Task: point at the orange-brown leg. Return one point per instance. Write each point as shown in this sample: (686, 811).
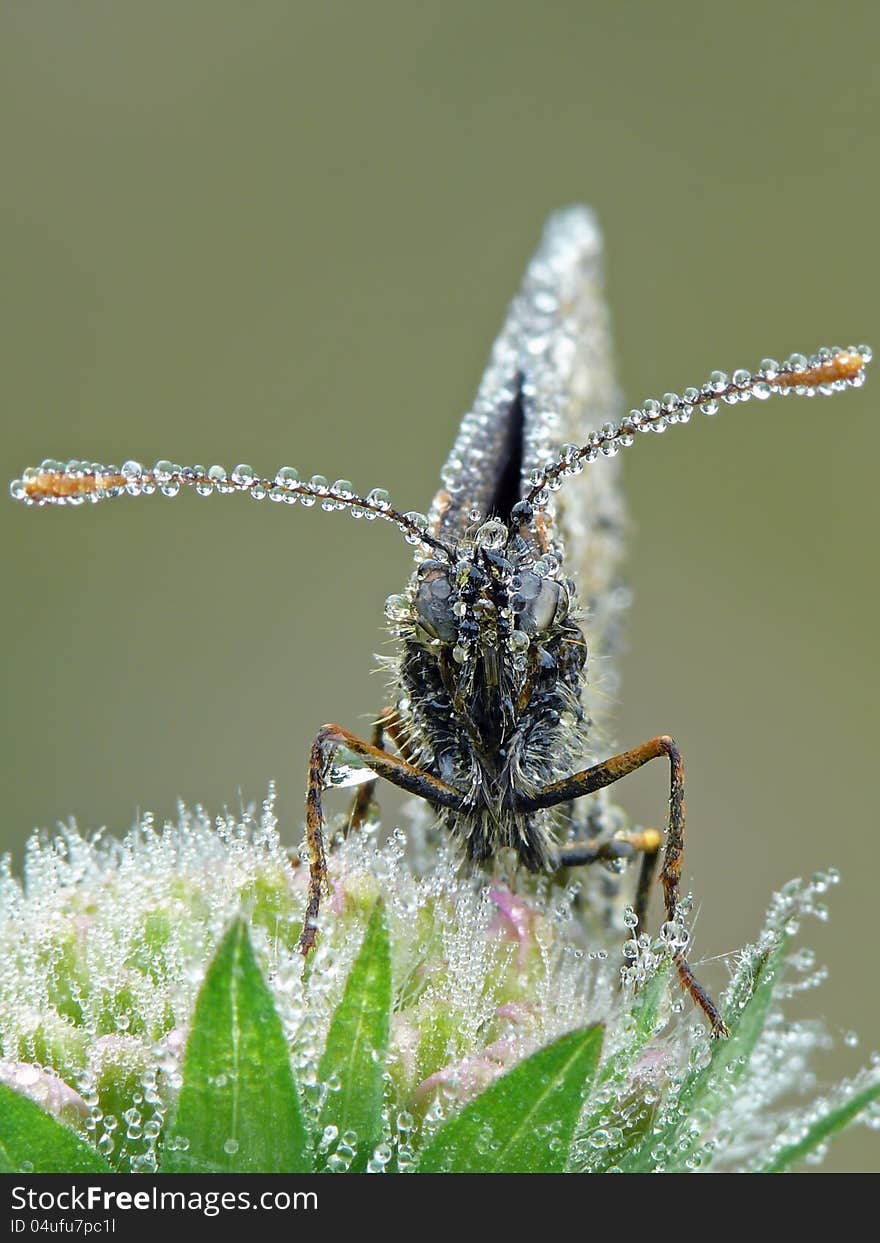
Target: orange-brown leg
(606, 774)
(653, 840)
(621, 846)
(393, 769)
(388, 723)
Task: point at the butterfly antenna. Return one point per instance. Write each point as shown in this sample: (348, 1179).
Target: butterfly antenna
(827, 371)
(75, 483)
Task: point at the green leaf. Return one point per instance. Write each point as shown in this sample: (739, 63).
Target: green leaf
(705, 1090)
(32, 1141)
(745, 1015)
(834, 1119)
(524, 1121)
(643, 1019)
(238, 1110)
(357, 1044)
(642, 1024)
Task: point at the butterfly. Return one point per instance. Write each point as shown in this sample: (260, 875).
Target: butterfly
(507, 627)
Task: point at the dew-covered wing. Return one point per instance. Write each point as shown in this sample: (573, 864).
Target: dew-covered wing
(550, 381)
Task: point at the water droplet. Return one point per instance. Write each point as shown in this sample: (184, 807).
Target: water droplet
(219, 479)
(243, 476)
(132, 473)
(492, 534)
(718, 381)
(397, 608)
(286, 477)
(378, 498)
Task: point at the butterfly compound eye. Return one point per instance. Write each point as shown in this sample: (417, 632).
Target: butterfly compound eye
(536, 601)
(434, 601)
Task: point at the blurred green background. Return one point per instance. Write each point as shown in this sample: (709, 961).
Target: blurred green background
(286, 233)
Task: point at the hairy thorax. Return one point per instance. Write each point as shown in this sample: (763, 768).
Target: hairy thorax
(509, 737)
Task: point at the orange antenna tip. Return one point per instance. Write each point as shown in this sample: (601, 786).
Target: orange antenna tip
(827, 367)
(71, 483)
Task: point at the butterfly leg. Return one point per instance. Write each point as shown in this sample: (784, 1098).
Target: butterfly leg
(650, 848)
(387, 723)
(605, 774)
(624, 845)
(393, 769)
